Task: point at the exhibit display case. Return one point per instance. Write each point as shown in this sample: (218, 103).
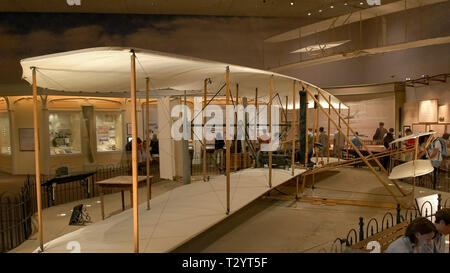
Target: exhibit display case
(5, 141)
(109, 132)
(65, 133)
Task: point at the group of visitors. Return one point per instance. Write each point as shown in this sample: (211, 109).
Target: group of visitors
(141, 152)
(424, 236)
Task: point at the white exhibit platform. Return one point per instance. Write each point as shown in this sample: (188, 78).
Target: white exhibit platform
(175, 217)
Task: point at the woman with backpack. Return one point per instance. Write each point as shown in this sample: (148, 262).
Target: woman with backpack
(435, 154)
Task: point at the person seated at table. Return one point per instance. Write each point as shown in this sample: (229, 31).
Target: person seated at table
(356, 142)
(418, 238)
(379, 134)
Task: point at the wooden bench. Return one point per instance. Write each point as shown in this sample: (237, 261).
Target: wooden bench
(384, 238)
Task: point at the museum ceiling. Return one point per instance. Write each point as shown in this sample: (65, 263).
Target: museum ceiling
(319, 9)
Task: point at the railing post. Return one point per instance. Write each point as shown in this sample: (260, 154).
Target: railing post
(361, 229)
(398, 214)
(439, 201)
(24, 211)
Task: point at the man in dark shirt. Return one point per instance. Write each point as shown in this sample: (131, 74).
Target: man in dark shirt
(386, 140)
(379, 133)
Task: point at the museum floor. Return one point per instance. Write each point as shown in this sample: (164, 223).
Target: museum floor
(270, 224)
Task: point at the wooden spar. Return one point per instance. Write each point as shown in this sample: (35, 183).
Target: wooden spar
(352, 162)
(317, 132)
(294, 128)
(227, 137)
(338, 142)
(329, 129)
(286, 120)
(362, 143)
(134, 162)
(353, 132)
(348, 128)
(416, 148)
(36, 160)
(256, 119)
(286, 112)
(304, 183)
(270, 130)
(235, 131)
(205, 86)
(306, 132)
(358, 160)
(357, 151)
(147, 137)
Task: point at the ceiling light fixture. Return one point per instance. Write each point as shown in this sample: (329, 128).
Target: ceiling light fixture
(292, 3)
(361, 3)
(345, 4)
(320, 10)
(331, 7)
(309, 13)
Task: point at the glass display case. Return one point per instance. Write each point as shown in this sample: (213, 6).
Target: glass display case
(109, 132)
(65, 133)
(5, 141)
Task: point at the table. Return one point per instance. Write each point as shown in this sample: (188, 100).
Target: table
(50, 184)
(122, 183)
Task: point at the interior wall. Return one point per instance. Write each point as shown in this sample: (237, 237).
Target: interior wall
(436, 90)
(22, 162)
(366, 111)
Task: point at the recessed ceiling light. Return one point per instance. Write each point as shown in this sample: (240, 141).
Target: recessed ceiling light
(345, 4)
(309, 13)
(320, 10)
(361, 3)
(292, 3)
(331, 7)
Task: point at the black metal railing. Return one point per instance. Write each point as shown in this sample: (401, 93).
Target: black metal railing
(373, 226)
(17, 209)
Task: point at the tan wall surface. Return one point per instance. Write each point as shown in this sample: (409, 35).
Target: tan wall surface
(5, 164)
